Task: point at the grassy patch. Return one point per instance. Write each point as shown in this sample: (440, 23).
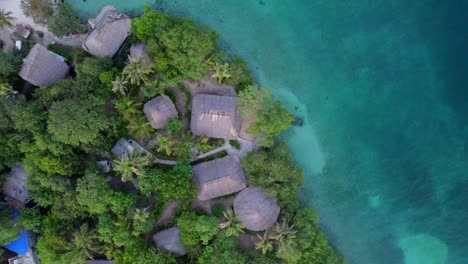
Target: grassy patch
(235, 144)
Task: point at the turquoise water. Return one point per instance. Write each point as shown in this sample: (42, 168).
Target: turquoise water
(382, 86)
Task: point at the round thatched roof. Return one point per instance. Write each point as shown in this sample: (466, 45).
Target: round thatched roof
(256, 211)
(169, 240)
(159, 111)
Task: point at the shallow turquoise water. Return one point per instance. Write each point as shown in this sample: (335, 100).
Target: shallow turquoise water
(382, 88)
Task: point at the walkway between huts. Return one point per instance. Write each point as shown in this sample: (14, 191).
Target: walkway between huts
(168, 214)
(246, 147)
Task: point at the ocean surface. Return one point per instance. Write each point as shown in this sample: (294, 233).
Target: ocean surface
(383, 88)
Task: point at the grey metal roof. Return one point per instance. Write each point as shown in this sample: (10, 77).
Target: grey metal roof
(215, 116)
(159, 111)
(109, 30)
(169, 240)
(219, 177)
(15, 185)
(43, 67)
(256, 211)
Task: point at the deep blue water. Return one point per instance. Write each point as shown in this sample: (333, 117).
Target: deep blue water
(382, 86)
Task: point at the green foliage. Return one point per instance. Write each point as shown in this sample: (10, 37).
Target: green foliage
(64, 20)
(136, 73)
(89, 68)
(252, 100)
(235, 144)
(31, 219)
(6, 18)
(223, 250)
(9, 232)
(178, 45)
(119, 85)
(10, 64)
(196, 230)
(240, 76)
(232, 225)
(6, 89)
(271, 117)
(139, 252)
(220, 72)
(39, 10)
(139, 128)
(277, 173)
(217, 210)
(128, 108)
(131, 165)
(174, 126)
(83, 245)
(77, 122)
(94, 193)
(173, 184)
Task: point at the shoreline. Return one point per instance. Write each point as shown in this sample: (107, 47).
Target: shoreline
(14, 6)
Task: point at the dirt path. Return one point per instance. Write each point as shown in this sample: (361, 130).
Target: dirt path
(168, 213)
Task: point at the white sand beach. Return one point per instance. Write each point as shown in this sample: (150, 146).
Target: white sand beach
(20, 17)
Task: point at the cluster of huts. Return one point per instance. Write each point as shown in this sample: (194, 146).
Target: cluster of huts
(213, 116)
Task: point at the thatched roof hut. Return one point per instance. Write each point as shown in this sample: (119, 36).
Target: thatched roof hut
(15, 186)
(219, 177)
(140, 53)
(159, 111)
(108, 32)
(169, 240)
(43, 67)
(22, 31)
(256, 211)
(215, 116)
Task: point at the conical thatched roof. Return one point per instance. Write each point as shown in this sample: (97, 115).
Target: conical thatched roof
(159, 111)
(15, 186)
(169, 240)
(126, 147)
(219, 177)
(215, 116)
(108, 31)
(140, 53)
(43, 67)
(256, 211)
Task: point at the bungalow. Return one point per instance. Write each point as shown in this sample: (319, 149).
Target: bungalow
(169, 240)
(159, 111)
(14, 187)
(43, 67)
(125, 147)
(219, 177)
(215, 116)
(256, 211)
(108, 32)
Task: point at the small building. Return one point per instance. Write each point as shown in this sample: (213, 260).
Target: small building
(219, 177)
(14, 187)
(22, 31)
(140, 53)
(42, 67)
(104, 166)
(127, 147)
(256, 211)
(169, 240)
(108, 31)
(159, 111)
(215, 116)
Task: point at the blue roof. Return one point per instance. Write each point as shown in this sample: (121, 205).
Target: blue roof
(21, 245)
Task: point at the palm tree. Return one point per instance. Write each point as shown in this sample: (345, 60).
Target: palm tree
(221, 72)
(283, 234)
(141, 215)
(265, 243)
(127, 107)
(232, 224)
(83, 245)
(119, 85)
(6, 89)
(6, 18)
(140, 128)
(165, 144)
(131, 164)
(135, 72)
